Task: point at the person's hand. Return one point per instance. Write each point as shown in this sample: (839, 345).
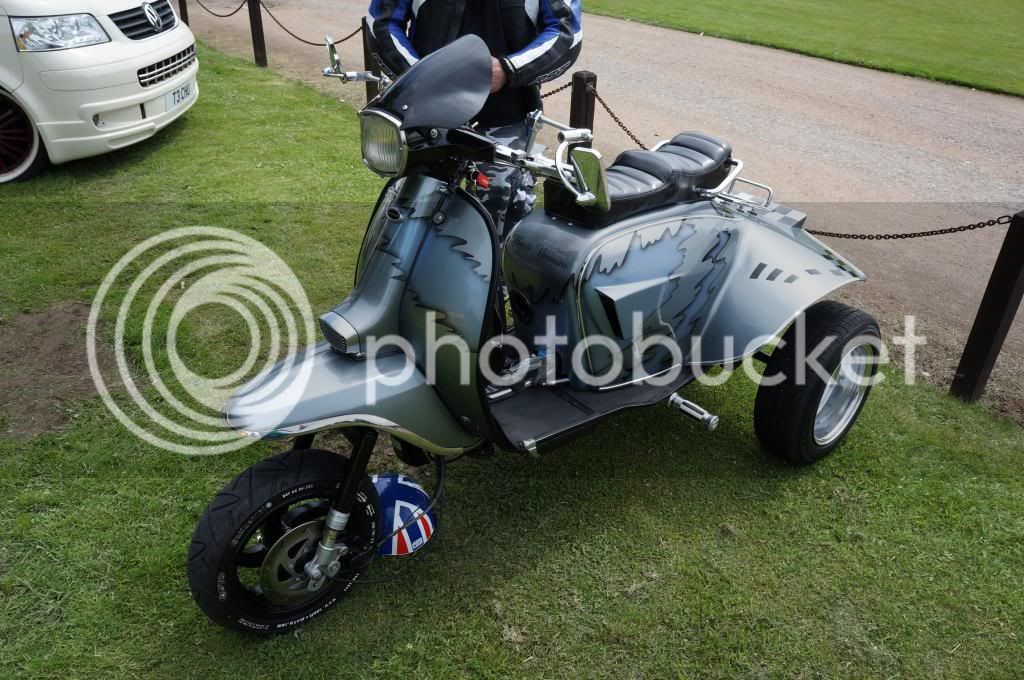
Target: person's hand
(498, 77)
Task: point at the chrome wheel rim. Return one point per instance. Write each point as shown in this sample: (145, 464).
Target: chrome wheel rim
(19, 141)
(843, 395)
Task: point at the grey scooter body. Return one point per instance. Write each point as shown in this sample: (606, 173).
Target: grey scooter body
(722, 283)
(428, 266)
(631, 279)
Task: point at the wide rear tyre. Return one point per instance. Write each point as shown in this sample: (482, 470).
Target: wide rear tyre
(22, 153)
(245, 564)
(808, 413)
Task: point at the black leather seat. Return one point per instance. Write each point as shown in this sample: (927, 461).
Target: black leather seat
(644, 180)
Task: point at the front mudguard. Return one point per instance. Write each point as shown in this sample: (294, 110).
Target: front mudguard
(317, 389)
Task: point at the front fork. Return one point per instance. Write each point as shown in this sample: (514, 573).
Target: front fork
(327, 561)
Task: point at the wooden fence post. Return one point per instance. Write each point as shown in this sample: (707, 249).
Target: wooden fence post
(995, 316)
(259, 43)
(183, 11)
(369, 63)
(581, 110)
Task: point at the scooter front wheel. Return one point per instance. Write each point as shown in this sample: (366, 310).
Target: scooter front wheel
(249, 549)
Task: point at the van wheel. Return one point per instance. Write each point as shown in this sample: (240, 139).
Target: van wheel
(22, 154)
(809, 412)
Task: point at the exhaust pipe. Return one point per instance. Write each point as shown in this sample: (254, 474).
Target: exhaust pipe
(709, 420)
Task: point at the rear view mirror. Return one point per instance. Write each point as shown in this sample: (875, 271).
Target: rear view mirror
(332, 55)
(590, 179)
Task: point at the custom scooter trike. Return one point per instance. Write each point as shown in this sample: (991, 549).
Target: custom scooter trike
(632, 280)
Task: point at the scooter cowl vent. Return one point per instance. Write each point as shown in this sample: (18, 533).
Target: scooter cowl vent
(342, 337)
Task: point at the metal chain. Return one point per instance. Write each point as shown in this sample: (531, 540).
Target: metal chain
(303, 40)
(618, 121)
(222, 16)
(1005, 219)
(557, 90)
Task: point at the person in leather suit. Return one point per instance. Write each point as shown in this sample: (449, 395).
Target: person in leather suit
(531, 42)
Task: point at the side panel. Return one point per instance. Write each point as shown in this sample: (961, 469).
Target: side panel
(720, 283)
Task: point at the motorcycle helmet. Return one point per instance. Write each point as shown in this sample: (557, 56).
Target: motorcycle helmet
(402, 499)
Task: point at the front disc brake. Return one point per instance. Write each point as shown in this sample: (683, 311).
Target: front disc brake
(282, 578)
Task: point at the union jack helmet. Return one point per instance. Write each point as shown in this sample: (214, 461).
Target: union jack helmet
(402, 499)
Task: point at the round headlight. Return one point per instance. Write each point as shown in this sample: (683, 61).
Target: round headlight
(384, 145)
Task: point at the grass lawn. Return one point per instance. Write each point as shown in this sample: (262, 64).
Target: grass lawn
(977, 44)
(647, 548)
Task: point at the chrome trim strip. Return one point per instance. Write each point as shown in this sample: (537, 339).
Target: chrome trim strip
(160, 71)
(634, 381)
(358, 420)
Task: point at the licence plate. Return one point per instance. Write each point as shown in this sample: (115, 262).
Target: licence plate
(179, 96)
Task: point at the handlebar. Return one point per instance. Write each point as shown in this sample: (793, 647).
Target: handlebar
(561, 168)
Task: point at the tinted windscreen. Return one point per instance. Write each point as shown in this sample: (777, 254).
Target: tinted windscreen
(444, 89)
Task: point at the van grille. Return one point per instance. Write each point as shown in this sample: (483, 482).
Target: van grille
(136, 25)
(167, 68)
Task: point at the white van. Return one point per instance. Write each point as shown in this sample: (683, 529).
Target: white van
(80, 78)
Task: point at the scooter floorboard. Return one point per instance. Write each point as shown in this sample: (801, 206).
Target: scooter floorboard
(543, 417)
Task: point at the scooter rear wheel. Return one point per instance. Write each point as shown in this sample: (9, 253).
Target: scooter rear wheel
(245, 564)
(803, 420)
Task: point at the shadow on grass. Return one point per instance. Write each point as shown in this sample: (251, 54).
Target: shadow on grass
(510, 516)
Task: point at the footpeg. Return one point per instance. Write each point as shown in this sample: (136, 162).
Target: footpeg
(708, 420)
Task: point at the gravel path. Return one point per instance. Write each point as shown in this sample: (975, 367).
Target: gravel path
(858, 150)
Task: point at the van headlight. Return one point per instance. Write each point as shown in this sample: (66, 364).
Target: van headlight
(384, 144)
(41, 34)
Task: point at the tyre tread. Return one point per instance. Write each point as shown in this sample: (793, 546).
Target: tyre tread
(780, 410)
(229, 508)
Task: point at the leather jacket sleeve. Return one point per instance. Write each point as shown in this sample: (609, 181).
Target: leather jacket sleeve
(389, 21)
(555, 49)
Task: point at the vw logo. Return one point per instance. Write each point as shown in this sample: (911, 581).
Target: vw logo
(152, 16)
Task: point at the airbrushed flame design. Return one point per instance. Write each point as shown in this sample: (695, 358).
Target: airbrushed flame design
(468, 244)
(420, 313)
(612, 255)
(687, 321)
